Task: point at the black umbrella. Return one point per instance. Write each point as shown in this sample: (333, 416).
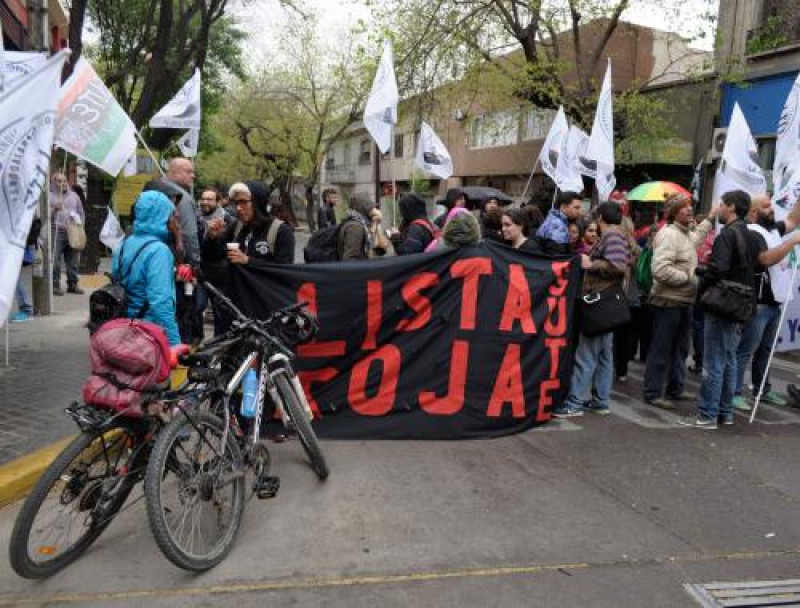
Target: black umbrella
(478, 195)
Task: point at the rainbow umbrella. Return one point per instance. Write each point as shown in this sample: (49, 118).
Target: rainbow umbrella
(656, 192)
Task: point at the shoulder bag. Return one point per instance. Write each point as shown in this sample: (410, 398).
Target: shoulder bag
(731, 300)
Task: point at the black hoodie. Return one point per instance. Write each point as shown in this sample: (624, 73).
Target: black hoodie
(417, 230)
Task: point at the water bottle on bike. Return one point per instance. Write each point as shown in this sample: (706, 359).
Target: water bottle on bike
(249, 391)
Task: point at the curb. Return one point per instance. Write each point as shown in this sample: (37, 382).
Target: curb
(19, 476)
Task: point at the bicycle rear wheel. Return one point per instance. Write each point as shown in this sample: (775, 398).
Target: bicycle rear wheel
(195, 490)
(304, 429)
(74, 501)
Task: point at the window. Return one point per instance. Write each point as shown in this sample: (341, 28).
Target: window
(494, 130)
(398, 145)
(330, 160)
(766, 152)
(145, 164)
(537, 123)
(365, 152)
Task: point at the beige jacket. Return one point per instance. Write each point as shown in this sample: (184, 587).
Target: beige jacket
(675, 262)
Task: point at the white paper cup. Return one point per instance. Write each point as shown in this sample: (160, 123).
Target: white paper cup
(232, 246)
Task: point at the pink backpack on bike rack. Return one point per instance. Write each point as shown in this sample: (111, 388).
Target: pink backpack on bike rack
(128, 356)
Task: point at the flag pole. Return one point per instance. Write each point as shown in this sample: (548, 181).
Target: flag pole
(784, 308)
(530, 179)
(150, 152)
(392, 173)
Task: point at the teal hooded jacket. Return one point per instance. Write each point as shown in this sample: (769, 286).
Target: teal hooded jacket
(151, 277)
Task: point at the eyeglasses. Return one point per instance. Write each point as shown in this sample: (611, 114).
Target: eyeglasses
(242, 201)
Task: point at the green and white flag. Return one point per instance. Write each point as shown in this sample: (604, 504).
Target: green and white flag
(91, 124)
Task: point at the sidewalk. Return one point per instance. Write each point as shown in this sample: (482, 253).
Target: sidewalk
(48, 365)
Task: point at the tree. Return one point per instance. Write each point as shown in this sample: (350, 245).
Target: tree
(147, 49)
(282, 122)
(537, 52)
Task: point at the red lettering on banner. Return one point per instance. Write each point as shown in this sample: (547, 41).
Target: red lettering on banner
(416, 301)
(383, 401)
(508, 387)
(518, 302)
(309, 378)
(336, 348)
(560, 327)
(471, 270)
(554, 345)
(453, 401)
(560, 270)
(374, 312)
(545, 399)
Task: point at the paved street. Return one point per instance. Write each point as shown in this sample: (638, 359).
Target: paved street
(605, 511)
(622, 510)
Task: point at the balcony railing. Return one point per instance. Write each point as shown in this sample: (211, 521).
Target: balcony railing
(340, 174)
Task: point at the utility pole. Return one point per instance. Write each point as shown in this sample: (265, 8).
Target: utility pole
(39, 28)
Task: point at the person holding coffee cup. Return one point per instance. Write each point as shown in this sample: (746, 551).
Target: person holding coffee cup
(255, 238)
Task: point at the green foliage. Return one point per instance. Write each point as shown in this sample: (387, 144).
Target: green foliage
(770, 36)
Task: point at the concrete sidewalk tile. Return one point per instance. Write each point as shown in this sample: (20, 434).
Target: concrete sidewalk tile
(19, 476)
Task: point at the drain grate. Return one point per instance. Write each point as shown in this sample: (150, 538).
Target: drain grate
(750, 594)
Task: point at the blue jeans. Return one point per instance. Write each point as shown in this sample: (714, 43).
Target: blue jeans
(757, 337)
(668, 351)
(719, 367)
(22, 298)
(593, 373)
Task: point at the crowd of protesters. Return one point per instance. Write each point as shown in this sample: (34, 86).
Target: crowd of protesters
(663, 269)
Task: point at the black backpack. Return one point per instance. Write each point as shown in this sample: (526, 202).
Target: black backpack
(111, 300)
(323, 246)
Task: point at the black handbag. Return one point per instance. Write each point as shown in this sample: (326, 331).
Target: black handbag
(600, 312)
(731, 300)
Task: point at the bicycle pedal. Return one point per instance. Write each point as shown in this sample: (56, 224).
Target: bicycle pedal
(267, 487)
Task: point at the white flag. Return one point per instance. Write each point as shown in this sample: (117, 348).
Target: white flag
(553, 145)
(91, 124)
(601, 142)
(183, 110)
(786, 170)
(188, 142)
(739, 168)
(131, 167)
(380, 112)
(432, 155)
(15, 65)
(27, 124)
(787, 145)
(111, 235)
(568, 175)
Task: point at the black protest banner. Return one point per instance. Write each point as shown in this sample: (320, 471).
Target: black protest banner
(464, 343)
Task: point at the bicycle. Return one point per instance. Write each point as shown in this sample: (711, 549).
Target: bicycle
(87, 484)
(195, 480)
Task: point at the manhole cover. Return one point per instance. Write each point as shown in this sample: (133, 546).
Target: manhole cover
(751, 593)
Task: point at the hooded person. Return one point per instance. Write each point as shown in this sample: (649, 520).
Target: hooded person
(256, 238)
(454, 198)
(416, 230)
(146, 265)
(355, 237)
(460, 230)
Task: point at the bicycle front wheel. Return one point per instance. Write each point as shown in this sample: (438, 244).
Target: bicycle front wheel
(195, 489)
(74, 501)
(301, 423)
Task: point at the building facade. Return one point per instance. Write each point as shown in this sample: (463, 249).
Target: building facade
(759, 42)
(34, 25)
(498, 145)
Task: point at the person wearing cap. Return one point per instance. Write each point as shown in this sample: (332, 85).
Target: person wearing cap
(455, 197)
(256, 238)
